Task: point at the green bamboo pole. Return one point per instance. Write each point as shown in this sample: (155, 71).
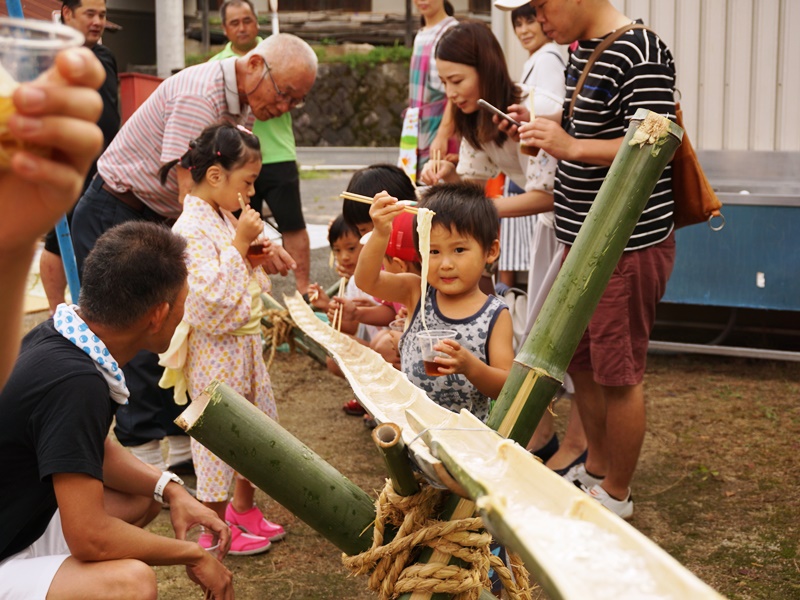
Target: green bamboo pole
(281, 465)
(541, 363)
(539, 368)
(388, 438)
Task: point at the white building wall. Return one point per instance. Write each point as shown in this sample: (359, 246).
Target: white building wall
(738, 66)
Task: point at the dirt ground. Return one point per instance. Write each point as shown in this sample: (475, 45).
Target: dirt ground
(716, 485)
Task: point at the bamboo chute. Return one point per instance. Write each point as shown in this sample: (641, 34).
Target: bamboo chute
(503, 481)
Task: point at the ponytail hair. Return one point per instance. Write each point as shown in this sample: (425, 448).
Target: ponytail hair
(223, 144)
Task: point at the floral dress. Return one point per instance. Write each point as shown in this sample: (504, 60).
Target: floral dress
(223, 308)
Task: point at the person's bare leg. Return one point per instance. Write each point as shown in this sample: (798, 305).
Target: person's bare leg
(592, 407)
(126, 579)
(507, 277)
(297, 244)
(243, 494)
(543, 432)
(574, 442)
(625, 427)
(54, 279)
(218, 507)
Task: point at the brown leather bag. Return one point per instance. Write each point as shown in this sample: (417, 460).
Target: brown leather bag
(694, 199)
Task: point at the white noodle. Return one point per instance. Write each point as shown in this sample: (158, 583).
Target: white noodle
(424, 218)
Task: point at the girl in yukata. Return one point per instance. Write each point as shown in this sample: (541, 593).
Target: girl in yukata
(221, 332)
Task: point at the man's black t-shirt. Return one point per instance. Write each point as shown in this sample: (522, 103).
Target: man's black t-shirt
(55, 413)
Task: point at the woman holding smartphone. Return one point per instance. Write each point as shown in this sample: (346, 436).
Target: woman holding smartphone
(472, 67)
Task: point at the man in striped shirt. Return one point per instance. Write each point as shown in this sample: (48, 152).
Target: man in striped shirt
(264, 83)
(636, 71)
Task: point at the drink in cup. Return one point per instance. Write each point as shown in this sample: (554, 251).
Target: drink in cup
(28, 47)
(427, 341)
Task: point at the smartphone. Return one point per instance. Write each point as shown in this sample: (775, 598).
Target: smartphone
(484, 104)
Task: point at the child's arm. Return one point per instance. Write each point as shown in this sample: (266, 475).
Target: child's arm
(488, 379)
(379, 315)
(370, 278)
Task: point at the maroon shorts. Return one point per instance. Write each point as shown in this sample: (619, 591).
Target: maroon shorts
(614, 346)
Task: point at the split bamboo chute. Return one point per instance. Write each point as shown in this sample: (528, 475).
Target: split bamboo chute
(528, 507)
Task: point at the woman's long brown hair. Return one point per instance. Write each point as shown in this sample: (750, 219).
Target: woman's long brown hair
(473, 44)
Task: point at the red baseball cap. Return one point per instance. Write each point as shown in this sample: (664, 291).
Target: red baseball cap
(401, 242)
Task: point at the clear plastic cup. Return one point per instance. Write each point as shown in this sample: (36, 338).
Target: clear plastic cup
(207, 539)
(28, 47)
(427, 341)
(398, 325)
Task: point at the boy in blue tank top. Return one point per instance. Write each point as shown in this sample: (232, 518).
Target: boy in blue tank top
(463, 239)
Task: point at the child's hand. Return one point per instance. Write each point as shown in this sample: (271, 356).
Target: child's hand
(318, 298)
(346, 272)
(249, 226)
(459, 359)
(383, 211)
(385, 344)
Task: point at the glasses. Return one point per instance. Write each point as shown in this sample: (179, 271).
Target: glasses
(283, 96)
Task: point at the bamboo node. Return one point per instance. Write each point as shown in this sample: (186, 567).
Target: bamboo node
(277, 331)
(391, 567)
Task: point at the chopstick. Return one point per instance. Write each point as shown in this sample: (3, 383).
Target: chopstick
(530, 104)
(368, 200)
(337, 314)
(241, 202)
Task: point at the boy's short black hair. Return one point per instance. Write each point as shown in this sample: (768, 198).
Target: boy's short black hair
(462, 207)
(526, 12)
(340, 228)
(372, 180)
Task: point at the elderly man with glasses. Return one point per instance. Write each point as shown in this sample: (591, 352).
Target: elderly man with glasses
(278, 184)
(265, 83)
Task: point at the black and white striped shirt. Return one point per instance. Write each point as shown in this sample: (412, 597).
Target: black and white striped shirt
(636, 71)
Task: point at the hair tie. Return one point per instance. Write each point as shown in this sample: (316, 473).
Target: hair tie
(190, 168)
(219, 153)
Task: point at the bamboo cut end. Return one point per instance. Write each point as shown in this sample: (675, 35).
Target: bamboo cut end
(189, 418)
(653, 128)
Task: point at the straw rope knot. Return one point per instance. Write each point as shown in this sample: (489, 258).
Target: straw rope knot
(391, 573)
(276, 329)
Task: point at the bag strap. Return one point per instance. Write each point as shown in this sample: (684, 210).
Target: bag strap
(601, 47)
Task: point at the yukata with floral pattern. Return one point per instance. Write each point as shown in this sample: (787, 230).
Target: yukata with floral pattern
(223, 303)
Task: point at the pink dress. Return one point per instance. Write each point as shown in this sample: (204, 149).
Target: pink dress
(219, 305)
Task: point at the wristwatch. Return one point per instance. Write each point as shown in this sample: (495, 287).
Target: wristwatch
(165, 478)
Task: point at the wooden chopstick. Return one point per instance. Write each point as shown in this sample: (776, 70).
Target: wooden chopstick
(241, 202)
(368, 200)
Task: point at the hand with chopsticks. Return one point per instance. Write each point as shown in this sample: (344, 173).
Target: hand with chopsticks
(383, 211)
(438, 170)
(248, 228)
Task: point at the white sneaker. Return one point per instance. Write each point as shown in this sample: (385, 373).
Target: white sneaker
(581, 478)
(622, 508)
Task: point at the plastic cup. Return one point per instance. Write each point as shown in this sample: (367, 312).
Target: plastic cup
(28, 47)
(207, 539)
(427, 340)
(398, 325)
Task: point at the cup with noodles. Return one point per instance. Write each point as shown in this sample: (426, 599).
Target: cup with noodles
(542, 104)
(28, 47)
